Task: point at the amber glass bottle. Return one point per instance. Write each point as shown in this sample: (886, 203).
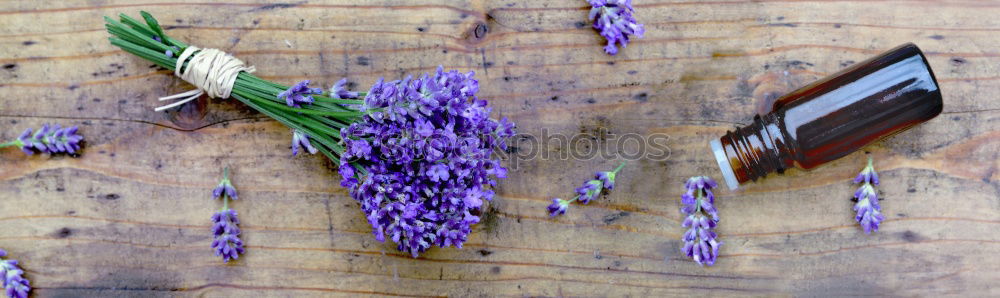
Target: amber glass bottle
(833, 117)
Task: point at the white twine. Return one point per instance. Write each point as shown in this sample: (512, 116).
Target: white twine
(211, 70)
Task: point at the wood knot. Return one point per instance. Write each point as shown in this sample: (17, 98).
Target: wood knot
(478, 33)
(64, 233)
(190, 115)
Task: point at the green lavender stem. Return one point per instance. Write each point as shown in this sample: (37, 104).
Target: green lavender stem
(321, 120)
(601, 186)
(619, 168)
(12, 143)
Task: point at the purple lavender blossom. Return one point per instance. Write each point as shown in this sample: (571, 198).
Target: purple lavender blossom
(607, 178)
(869, 211)
(225, 186)
(227, 243)
(300, 140)
(558, 207)
(14, 283)
(170, 52)
(48, 139)
(868, 174)
(589, 191)
(299, 93)
(423, 156)
(615, 20)
(339, 90)
(699, 241)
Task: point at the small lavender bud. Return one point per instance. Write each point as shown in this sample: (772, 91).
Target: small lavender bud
(869, 211)
(299, 93)
(218, 191)
(225, 187)
(231, 192)
(558, 207)
(589, 191)
(339, 90)
(14, 283)
(300, 140)
(607, 178)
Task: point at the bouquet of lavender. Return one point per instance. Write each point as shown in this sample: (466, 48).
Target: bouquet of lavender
(415, 153)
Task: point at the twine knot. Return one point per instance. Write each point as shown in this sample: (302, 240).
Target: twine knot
(213, 71)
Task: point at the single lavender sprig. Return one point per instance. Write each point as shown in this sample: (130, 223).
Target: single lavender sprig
(339, 91)
(700, 240)
(589, 191)
(225, 223)
(869, 210)
(299, 93)
(301, 140)
(48, 139)
(14, 283)
(615, 20)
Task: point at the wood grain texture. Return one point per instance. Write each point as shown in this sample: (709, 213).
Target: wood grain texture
(131, 216)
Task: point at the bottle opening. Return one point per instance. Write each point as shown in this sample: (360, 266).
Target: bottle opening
(727, 170)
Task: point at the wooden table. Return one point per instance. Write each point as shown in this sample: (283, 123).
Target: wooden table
(130, 217)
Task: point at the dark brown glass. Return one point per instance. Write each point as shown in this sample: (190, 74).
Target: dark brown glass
(833, 117)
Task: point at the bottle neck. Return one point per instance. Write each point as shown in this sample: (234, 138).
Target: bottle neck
(754, 150)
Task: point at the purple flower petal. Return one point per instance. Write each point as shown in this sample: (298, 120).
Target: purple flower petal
(430, 142)
(226, 243)
(50, 139)
(299, 93)
(11, 276)
(868, 207)
(700, 240)
(615, 22)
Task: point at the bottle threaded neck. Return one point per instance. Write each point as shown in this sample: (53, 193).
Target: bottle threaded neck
(749, 152)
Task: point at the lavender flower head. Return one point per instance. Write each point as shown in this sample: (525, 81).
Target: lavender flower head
(558, 207)
(339, 90)
(301, 140)
(225, 187)
(48, 139)
(420, 162)
(589, 191)
(615, 20)
(869, 211)
(13, 280)
(699, 241)
(227, 243)
(299, 93)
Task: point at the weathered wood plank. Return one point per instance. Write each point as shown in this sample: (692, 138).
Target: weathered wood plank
(131, 216)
